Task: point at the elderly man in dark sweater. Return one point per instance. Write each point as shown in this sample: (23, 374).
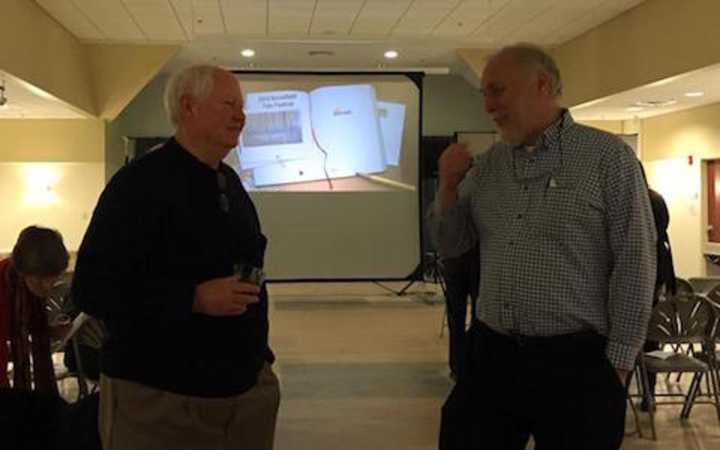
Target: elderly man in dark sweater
(187, 362)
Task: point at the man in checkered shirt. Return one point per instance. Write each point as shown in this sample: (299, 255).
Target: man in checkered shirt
(567, 255)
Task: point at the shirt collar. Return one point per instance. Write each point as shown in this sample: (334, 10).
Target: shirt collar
(550, 139)
(190, 160)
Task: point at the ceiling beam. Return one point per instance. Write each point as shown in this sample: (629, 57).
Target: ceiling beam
(656, 40)
(36, 49)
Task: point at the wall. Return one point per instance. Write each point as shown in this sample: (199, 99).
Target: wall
(72, 140)
(51, 174)
(56, 195)
(451, 104)
(667, 141)
(611, 126)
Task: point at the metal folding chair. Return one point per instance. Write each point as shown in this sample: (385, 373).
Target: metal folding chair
(679, 321)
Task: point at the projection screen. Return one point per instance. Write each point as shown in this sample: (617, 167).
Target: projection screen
(332, 164)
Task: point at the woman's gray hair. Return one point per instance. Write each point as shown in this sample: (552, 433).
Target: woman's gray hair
(196, 81)
(535, 57)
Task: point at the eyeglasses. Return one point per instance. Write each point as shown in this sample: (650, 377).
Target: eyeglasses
(223, 200)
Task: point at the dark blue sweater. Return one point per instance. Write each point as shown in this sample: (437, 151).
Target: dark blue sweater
(159, 229)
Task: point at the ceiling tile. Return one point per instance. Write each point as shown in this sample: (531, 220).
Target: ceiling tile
(72, 19)
(334, 17)
(290, 16)
(248, 17)
(183, 11)
(469, 16)
(207, 18)
(156, 19)
(378, 17)
(511, 17)
(423, 16)
(113, 18)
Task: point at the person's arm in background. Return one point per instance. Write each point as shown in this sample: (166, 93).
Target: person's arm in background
(4, 355)
(4, 332)
(666, 269)
(115, 274)
(42, 364)
(632, 240)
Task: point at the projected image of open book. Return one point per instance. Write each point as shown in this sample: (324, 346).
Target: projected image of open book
(330, 132)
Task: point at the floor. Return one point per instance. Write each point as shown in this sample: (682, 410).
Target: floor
(364, 369)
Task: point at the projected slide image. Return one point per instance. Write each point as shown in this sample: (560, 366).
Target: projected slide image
(333, 136)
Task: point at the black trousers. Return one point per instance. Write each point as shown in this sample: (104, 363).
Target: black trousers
(562, 390)
(462, 277)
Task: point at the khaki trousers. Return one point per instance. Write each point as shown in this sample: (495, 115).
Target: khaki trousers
(137, 417)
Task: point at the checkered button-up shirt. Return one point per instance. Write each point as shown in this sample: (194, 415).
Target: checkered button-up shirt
(566, 235)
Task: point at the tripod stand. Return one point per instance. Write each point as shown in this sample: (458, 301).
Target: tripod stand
(430, 269)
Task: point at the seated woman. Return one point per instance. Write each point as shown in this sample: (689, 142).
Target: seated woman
(38, 260)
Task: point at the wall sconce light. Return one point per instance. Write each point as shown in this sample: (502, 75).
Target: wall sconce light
(40, 184)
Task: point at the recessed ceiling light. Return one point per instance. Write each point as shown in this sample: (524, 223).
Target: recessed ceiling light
(248, 53)
(634, 108)
(694, 94)
(391, 54)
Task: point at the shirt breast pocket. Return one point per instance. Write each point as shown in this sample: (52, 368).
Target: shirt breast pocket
(568, 210)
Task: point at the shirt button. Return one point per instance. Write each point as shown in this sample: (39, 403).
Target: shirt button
(511, 243)
(525, 187)
(519, 216)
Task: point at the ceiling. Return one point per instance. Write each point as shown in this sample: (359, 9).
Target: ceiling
(25, 101)
(661, 97)
(356, 32)
(348, 35)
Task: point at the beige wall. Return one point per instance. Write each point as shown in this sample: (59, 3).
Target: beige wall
(667, 142)
(611, 126)
(51, 174)
(78, 140)
(59, 195)
(114, 88)
(691, 132)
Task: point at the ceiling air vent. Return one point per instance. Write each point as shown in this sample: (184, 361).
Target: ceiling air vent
(321, 53)
(655, 103)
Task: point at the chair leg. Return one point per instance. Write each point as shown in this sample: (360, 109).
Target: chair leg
(715, 376)
(648, 397)
(638, 428)
(692, 394)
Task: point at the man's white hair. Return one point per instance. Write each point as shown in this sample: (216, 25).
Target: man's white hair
(197, 81)
(534, 57)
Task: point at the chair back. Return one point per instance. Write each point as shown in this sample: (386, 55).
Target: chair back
(680, 319)
(713, 299)
(703, 285)
(683, 287)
